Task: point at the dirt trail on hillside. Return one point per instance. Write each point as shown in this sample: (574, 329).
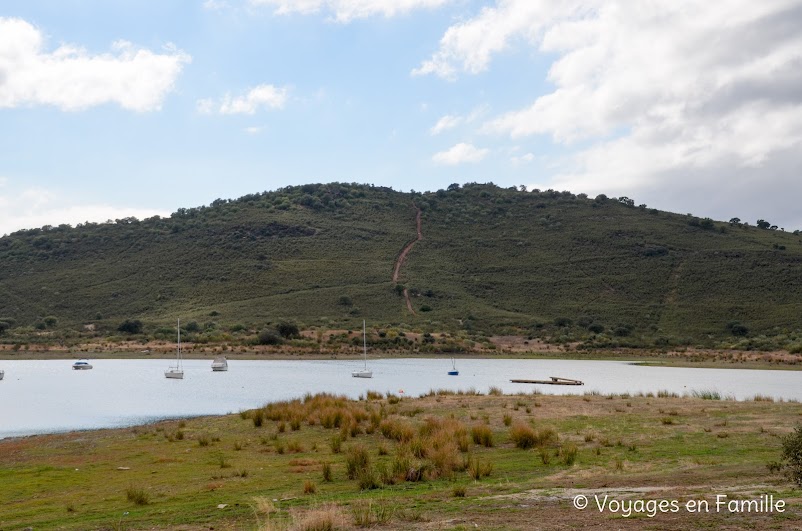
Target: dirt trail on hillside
(403, 255)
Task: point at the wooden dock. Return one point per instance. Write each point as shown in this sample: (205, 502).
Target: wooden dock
(555, 380)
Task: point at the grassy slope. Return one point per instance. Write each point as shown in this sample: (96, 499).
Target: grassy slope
(494, 260)
(543, 259)
(226, 258)
(674, 448)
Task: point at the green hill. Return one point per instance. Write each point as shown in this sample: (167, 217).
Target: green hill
(491, 260)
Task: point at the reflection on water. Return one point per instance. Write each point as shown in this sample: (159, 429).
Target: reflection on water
(48, 396)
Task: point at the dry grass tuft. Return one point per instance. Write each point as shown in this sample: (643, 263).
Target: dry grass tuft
(263, 506)
(482, 435)
(479, 468)
(523, 436)
(325, 518)
(137, 495)
(397, 429)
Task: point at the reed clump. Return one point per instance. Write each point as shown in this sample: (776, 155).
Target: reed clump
(523, 436)
(137, 495)
(482, 435)
(705, 394)
(397, 429)
(328, 410)
(336, 444)
(356, 460)
(369, 513)
(327, 475)
(568, 453)
(479, 468)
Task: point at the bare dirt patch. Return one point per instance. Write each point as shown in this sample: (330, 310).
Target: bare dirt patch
(403, 255)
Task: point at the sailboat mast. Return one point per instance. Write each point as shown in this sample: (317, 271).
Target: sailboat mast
(178, 361)
(364, 344)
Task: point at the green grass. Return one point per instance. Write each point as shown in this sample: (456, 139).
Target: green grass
(75, 481)
(706, 394)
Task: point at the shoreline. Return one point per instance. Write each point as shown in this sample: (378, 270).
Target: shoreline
(647, 360)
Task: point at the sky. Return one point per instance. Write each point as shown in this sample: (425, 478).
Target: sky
(118, 108)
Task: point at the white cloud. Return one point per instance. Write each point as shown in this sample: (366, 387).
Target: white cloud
(348, 10)
(526, 158)
(469, 45)
(448, 121)
(36, 207)
(254, 129)
(460, 154)
(73, 79)
(259, 97)
(653, 91)
(451, 121)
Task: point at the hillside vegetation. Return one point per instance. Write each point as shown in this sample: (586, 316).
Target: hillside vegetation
(597, 272)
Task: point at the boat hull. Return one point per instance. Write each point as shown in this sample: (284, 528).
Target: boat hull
(362, 374)
(174, 375)
(219, 369)
(453, 373)
(2, 374)
(81, 367)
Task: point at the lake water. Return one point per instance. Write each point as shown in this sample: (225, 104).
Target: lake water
(48, 396)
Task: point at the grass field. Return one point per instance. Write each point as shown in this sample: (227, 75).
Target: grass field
(443, 461)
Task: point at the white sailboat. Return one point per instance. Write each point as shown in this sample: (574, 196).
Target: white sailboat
(364, 373)
(177, 371)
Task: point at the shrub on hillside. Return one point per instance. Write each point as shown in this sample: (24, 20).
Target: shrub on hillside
(562, 321)
(131, 326)
(268, 337)
(596, 328)
(737, 329)
(192, 326)
(288, 330)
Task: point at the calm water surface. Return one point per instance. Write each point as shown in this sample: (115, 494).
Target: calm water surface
(39, 396)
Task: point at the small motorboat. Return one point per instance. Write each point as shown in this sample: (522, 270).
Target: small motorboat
(220, 364)
(81, 365)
